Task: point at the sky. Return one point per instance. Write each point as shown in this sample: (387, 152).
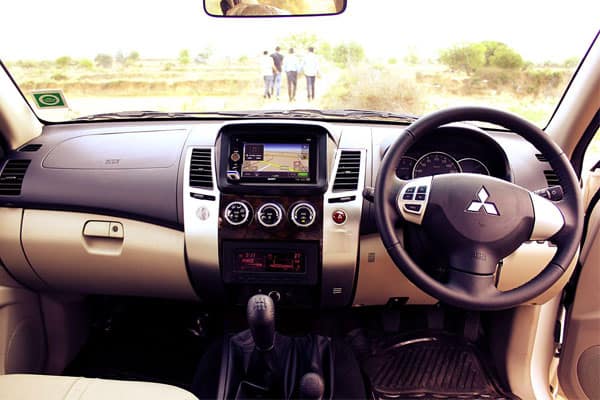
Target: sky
(539, 30)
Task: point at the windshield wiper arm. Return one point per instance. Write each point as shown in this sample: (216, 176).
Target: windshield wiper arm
(154, 114)
(343, 113)
(293, 113)
(352, 112)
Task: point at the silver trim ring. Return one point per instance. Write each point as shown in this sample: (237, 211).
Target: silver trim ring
(293, 213)
(474, 159)
(237, 223)
(279, 214)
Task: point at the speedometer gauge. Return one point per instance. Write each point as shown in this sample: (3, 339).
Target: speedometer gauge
(405, 168)
(435, 163)
(473, 166)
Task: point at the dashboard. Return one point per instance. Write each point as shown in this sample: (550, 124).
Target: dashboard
(216, 211)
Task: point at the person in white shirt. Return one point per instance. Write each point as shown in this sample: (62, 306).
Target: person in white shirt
(291, 65)
(310, 67)
(267, 67)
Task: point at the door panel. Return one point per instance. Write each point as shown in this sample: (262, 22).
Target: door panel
(579, 366)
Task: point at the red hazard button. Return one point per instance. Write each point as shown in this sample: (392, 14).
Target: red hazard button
(339, 216)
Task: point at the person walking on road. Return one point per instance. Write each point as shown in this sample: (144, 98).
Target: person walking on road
(291, 65)
(277, 61)
(266, 68)
(310, 67)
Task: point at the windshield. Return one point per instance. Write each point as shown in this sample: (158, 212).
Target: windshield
(403, 57)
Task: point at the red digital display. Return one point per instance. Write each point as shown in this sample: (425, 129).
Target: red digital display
(270, 261)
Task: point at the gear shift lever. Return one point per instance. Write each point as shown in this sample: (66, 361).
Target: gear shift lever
(312, 387)
(260, 312)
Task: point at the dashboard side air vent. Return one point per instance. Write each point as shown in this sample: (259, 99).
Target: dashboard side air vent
(346, 177)
(551, 177)
(11, 178)
(201, 169)
(31, 147)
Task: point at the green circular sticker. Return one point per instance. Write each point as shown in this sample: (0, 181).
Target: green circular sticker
(49, 99)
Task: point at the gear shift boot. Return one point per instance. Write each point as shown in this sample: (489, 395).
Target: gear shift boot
(260, 363)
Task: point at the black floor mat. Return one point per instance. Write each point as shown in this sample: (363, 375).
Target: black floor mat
(433, 367)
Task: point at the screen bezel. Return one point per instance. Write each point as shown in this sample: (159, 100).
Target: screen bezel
(234, 135)
(312, 164)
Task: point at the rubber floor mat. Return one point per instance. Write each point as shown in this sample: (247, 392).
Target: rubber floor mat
(436, 367)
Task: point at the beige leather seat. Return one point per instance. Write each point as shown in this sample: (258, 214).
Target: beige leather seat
(38, 387)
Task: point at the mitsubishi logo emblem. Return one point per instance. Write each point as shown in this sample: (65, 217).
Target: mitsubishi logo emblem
(488, 208)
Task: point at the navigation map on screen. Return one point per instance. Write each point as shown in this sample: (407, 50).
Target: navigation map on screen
(276, 160)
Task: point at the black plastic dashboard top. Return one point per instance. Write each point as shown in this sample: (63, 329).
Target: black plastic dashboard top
(130, 173)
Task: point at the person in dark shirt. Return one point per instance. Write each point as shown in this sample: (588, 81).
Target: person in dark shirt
(291, 65)
(278, 61)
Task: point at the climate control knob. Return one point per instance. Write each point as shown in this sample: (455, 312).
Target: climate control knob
(269, 215)
(303, 215)
(237, 213)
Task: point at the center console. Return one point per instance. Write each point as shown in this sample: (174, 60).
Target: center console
(272, 179)
(273, 208)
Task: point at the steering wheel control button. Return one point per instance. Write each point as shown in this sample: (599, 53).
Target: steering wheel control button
(413, 208)
(303, 215)
(270, 215)
(339, 217)
(237, 213)
(412, 199)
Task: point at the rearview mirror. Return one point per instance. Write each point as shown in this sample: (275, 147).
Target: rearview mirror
(272, 8)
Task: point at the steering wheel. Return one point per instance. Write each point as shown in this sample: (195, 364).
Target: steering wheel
(477, 220)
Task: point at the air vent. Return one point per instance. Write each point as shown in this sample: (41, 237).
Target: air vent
(551, 177)
(31, 147)
(346, 177)
(541, 157)
(11, 178)
(201, 169)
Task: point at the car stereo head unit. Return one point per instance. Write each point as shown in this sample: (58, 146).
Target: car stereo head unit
(271, 161)
(273, 157)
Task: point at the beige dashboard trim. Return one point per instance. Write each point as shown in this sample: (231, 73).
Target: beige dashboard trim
(526, 263)
(147, 261)
(379, 279)
(583, 322)
(11, 252)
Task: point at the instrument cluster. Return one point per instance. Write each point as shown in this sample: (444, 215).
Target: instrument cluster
(454, 149)
(437, 163)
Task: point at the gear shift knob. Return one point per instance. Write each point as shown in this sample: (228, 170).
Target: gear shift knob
(260, 312)
(312, 387)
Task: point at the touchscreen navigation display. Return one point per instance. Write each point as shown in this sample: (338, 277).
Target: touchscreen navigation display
(275, 161)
